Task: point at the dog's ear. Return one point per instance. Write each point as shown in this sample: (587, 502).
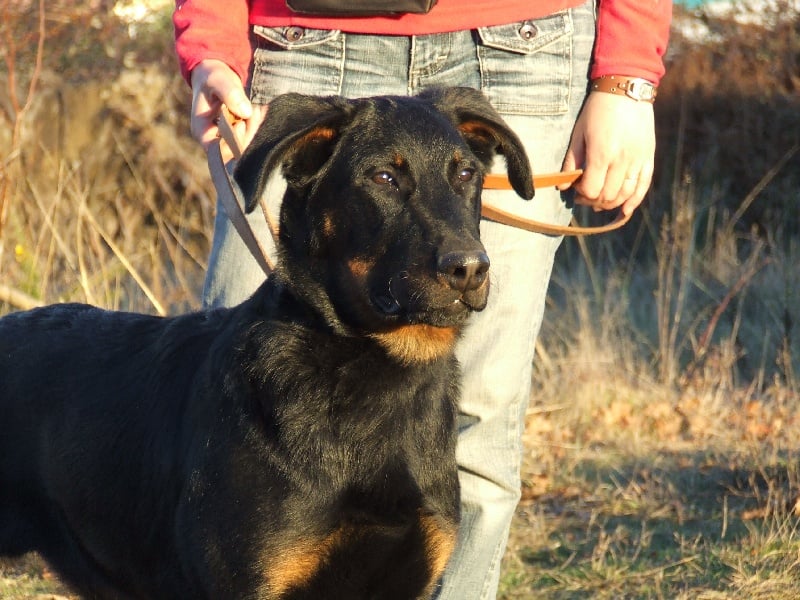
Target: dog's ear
(299, 134)
(485, 132)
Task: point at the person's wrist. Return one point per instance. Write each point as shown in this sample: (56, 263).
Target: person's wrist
(206, 68)
(635, 88)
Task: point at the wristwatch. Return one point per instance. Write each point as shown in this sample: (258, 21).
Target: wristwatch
(633, 87)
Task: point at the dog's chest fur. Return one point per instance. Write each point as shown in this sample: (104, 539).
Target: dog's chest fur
(336, 433)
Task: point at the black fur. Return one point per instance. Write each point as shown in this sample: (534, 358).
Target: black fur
(299, 445)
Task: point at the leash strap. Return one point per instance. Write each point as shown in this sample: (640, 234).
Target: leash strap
(231, 198)
(494, 213)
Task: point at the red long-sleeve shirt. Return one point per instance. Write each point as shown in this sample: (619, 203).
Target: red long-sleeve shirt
(631, 34)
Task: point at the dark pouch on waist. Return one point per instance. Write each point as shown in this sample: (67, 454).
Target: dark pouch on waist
(359, 8)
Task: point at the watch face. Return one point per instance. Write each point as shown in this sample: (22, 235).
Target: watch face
(641, 89)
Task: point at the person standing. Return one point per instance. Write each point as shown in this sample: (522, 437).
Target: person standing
(575, 79)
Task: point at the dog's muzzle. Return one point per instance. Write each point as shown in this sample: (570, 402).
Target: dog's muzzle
(464, 271)
(459, 286)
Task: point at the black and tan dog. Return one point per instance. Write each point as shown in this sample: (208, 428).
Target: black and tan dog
(301, 444)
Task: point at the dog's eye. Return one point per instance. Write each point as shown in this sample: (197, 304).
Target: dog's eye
(384, 178)
(466, 174)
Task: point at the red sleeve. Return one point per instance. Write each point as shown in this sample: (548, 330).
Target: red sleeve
(632, 37)
(212, 29)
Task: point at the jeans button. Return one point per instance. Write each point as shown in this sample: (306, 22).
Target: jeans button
(528, 31)
(293, 34)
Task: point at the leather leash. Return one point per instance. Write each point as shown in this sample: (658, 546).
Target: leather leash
(500, 182)
(231, 198)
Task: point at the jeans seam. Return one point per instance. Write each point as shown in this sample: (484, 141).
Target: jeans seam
(494, 565)
(411, 82)
(342, 63)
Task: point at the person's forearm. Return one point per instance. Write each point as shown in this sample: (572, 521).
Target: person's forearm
(212, 29)
(632, 38)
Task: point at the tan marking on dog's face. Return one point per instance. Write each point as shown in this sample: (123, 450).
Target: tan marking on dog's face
(360, 267)
(399, 160)
(440, 540)
(417, 343)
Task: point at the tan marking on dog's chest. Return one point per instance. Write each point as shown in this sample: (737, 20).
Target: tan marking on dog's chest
(440, 540)
(328, 225)
(298, 564)
(417, 343)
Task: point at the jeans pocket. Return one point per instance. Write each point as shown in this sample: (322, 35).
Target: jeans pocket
(526, 67)
(296, 59)
(287, 38)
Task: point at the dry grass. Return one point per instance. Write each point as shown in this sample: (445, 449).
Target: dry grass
(661, 442)
(117, 215)
(103, 196)
(634, 489)
(29, 579)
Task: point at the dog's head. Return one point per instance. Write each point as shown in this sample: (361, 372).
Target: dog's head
(379, 221)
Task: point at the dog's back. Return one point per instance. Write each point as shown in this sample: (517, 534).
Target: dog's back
(93, 436)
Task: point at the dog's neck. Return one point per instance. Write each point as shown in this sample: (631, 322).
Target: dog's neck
(306, 303)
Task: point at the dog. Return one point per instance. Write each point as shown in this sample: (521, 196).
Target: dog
(301, 444)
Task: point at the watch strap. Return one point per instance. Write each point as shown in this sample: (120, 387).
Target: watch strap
(633, 87)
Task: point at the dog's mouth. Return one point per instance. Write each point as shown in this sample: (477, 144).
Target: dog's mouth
(386, 303)
(431, 304)
(422, 322)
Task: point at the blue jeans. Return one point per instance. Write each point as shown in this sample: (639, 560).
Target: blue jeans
(535, 73)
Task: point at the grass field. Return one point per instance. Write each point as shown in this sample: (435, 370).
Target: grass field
(662, 440)
(636, 491)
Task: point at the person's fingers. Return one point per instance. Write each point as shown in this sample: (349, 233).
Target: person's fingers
(642, 185)
(236, 100)
(572, 160)
(617, 168)
(589, 188)
(214, 84)
(203, 120)
(253, 123)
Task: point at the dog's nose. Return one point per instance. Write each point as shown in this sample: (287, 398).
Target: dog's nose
(464, 271)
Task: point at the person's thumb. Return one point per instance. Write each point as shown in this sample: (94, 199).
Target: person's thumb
(238, 103)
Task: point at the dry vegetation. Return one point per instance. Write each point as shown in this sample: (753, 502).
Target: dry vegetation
(103, 196)
(662, 442)
(662, 439)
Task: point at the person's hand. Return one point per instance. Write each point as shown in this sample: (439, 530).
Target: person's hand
(614, 142)
(214, 83)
